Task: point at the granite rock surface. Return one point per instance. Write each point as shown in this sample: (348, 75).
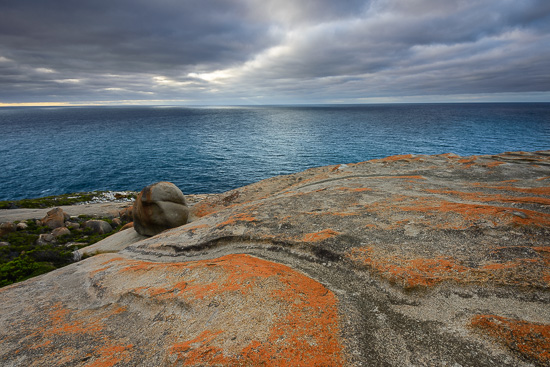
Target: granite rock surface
(403, 261)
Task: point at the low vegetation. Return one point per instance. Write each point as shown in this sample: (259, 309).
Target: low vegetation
(23, 257)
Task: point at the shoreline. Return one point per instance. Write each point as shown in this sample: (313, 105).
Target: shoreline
(104, 209)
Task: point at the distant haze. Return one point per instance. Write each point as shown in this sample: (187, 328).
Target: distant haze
(223, 52)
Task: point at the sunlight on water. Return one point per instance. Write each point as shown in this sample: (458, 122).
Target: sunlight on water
(47, 151)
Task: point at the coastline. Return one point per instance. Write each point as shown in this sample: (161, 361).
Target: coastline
(404, 260)
(103, 209)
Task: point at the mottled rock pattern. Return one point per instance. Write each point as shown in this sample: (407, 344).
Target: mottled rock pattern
(402, 261)
(159, 207)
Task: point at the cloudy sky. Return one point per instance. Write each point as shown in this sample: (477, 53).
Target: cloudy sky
(273, 51)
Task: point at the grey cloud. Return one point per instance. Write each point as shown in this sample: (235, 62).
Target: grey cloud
(122, 49)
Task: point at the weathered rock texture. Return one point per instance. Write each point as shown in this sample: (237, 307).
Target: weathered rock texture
(54, 219)
(408, 260)
(159, 207)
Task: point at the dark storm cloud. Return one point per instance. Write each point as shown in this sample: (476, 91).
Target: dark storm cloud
(271, 50)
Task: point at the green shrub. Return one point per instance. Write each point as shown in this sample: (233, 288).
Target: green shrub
(24, 258)
(22, 268)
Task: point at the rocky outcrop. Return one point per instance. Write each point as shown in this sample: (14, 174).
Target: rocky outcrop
(159, 207)
(54, 219)
(407, 260)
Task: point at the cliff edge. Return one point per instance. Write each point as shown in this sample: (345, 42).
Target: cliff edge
(403, 261)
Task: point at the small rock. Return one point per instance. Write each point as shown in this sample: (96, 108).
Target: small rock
(45, 238)
(61, 231)
(4, 244)
(72, 225)
(6, 228)
(520, 214)
(158, 207)
(117, 222)
(21, 226)
(55, 218)
(99, 226)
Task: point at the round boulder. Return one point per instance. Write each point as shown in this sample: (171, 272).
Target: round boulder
(159, 207)
(72, 225)
(6, 228)
(60, 231)
(99, 226)
(54, 218)
(21, 226)
(45, 238)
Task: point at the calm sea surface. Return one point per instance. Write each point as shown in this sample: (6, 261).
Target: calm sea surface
(48, 151)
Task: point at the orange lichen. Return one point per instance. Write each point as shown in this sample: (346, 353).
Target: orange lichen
(531, 190)
(111, 355)
(531, 340)
(305, 334)
(425, 272)
(59, 316)
(417, 177)
(235, 218)
(195, 227)
(320, 236)
(204, 208)
(545, 190)
(409, 273)
(393, 158)
(472, 212)
(482, 197)
(468, 162)
(493, 164)
(354, 189)
(336, 214)
(199, 351)
(61, 325)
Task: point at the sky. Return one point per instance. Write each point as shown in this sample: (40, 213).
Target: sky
(255, 52)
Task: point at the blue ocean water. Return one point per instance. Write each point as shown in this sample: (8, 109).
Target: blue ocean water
(50, 151)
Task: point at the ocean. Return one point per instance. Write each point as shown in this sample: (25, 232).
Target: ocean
(51, 151)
